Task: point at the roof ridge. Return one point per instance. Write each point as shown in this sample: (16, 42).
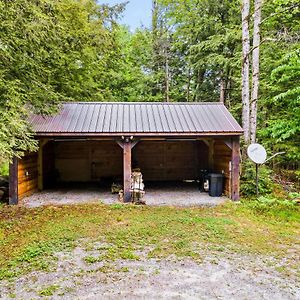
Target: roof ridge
(148, 103)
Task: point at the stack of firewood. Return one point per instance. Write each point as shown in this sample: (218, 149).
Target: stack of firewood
(137, 187)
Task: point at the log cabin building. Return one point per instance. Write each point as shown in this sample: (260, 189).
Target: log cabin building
(94, 141)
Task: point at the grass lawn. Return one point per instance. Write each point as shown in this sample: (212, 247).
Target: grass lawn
(30, 237)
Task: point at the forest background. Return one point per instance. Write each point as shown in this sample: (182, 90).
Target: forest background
(53, 51)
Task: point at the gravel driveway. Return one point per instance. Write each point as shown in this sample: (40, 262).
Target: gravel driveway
(218, 276)
(178, 194)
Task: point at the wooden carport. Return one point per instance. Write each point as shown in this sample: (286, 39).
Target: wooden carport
(207, 125)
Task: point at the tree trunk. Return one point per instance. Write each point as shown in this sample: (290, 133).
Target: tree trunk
(199, 80)
(155, 46)
(189, 84)
(154, 16)
(228, 90)
(245, 68)
(167, 79)
(222, 89)
(255, 69)
(155, 25)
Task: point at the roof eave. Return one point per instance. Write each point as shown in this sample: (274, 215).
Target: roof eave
(136, 134)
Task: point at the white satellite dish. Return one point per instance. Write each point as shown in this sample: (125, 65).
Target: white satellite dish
(257, 153)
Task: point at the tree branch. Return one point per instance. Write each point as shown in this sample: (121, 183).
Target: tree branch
(279, 12)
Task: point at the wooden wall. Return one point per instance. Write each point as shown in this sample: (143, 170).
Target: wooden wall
(107, 160)
(49, 171)
(82, 161)
(221, 162)
(27, 175)
(203, 154)
(171, 160)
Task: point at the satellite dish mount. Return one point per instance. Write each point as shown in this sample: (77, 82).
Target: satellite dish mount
(258, 154)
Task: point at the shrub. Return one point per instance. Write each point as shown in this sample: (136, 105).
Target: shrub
(248, 184)
(267, 204)
(286, 208)
(4, 169)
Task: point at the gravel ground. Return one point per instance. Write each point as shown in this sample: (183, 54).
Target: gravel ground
(164, 194)
(218, 276)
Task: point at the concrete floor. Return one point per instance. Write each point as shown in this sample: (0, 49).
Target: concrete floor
(162, 194)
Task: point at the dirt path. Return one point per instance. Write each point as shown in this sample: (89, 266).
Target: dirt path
(224, 276)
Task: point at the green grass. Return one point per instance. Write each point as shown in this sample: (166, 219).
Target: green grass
(48, 290)
(30, 237)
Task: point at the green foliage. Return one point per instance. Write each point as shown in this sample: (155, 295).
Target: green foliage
(285, 209)
(4, 169)
(248, 180)
(283, 127)
(92, 259)
(54, 51)
(294, 196)
(51, 51)
(205, 48)
(117, 206)
(280, 74)
(132, 80)
(206, 51)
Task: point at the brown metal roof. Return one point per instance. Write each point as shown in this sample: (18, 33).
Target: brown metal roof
(137, 118)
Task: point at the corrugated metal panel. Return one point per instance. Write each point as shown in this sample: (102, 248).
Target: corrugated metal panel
(137, 118)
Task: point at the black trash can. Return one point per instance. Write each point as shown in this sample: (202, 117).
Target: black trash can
(216, 184)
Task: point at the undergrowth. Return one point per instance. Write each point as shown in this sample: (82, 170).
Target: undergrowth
(248, 182)
(285, 209)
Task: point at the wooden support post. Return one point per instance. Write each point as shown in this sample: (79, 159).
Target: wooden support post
(127, 144)
(235, 169)
(127, 171)
(211, 154)
(42, 143)
(13, 182)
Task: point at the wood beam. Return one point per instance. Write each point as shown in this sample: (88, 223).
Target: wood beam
(133, 143)
(42, 143)
(235, 169)
(211, 154)
(228, 143)
(120, 143)
(126, 140)
(13, 182)
(137, 134)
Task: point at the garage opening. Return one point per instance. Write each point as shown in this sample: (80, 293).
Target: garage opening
(171, 168)
(99, 164)
(83, 170)
(81, 164)
(170, 160)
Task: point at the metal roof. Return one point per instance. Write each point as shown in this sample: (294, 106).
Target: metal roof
(137, 118)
